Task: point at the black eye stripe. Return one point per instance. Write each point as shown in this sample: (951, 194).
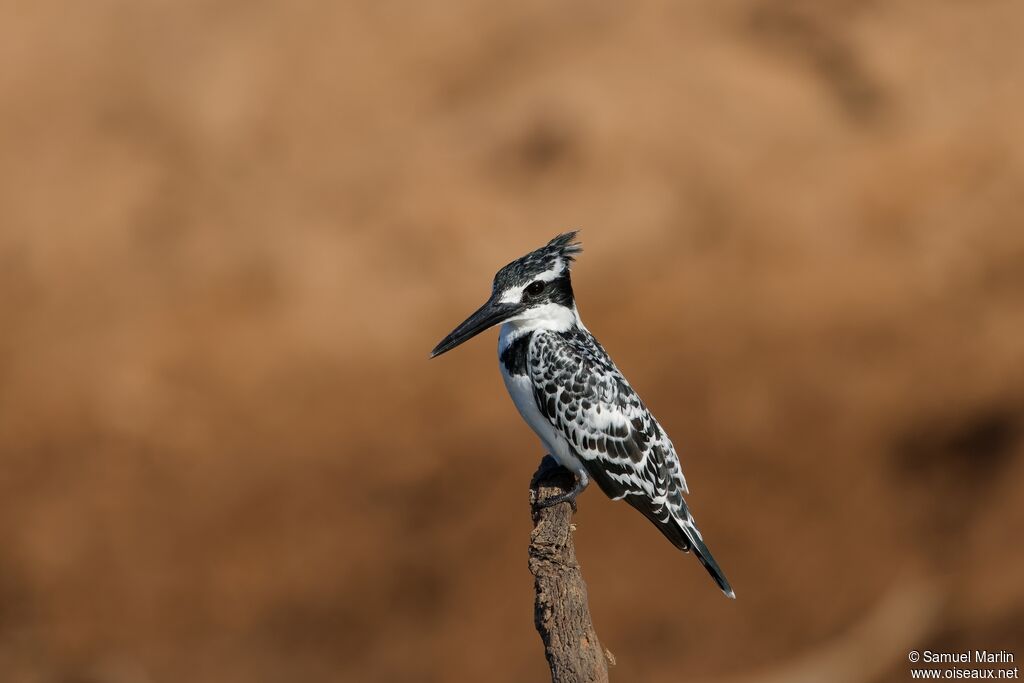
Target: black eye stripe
(535, 288)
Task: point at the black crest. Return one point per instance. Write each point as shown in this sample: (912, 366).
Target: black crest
(562, 248)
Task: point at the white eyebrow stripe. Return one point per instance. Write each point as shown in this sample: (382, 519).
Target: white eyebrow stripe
(514, 295)
(555, 271)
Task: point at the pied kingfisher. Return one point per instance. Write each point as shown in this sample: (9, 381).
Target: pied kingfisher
(571, 394)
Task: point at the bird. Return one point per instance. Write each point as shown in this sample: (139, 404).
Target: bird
(576, 400)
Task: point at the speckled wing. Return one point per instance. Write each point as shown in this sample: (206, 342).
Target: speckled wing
(581, 392)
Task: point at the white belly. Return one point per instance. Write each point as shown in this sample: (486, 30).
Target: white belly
(521, 390)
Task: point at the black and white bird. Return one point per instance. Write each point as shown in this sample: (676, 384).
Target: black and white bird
(577, 401)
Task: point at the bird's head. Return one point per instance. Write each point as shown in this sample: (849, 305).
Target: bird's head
(533, 291)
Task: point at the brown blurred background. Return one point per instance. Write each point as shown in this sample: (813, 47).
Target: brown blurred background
(230, 233)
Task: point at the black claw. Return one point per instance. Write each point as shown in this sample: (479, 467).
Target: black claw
(582, 482)
(569, 497)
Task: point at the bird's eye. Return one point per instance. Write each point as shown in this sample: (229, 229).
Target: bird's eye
(535, 288)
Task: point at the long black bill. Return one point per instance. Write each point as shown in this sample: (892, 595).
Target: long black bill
(488, 315)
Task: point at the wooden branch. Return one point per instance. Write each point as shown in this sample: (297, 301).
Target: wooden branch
(561, 614)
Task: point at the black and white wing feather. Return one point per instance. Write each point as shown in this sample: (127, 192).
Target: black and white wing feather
(586, 398)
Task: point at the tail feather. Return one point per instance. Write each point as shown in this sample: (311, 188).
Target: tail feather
(706, 558)
(682, 532)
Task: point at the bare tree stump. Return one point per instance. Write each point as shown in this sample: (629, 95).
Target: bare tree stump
(561, 614)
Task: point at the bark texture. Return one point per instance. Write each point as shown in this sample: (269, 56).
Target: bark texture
(561, 613)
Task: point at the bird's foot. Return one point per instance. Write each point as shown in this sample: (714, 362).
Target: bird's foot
(582, 481)
(569, 497)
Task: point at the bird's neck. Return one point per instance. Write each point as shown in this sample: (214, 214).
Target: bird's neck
(549, 317)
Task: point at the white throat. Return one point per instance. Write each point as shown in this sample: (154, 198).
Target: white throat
(551, 317)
